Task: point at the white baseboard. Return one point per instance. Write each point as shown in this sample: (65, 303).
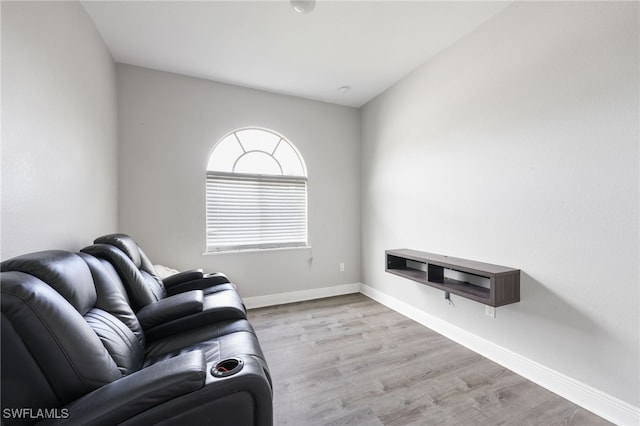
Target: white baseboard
(299, 296)
(598, 402)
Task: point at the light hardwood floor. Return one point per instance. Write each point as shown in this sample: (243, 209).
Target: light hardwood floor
(349, 360)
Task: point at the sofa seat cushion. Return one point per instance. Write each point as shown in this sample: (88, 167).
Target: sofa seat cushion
(217, 341)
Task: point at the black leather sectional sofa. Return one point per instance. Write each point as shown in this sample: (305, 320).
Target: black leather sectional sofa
(97, 338)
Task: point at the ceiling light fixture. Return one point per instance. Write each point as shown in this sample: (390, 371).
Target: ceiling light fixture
(344, 89)
(303, 6)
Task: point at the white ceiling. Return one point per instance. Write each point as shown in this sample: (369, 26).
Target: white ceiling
(366, 45)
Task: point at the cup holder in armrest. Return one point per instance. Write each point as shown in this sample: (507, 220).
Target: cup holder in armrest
(227, 367)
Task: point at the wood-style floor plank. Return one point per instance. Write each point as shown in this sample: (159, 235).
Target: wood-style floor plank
(349, 360)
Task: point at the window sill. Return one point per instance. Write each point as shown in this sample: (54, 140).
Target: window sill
(255, 250)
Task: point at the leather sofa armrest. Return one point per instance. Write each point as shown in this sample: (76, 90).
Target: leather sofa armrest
(205, 282)
(171, 308)
(181, 277)
(134, 394)
(214, 401)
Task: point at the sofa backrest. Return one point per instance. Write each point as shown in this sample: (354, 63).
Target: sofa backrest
(112, 296)
(132, 249)
(50, 353)
(68, 327)
(142, 288)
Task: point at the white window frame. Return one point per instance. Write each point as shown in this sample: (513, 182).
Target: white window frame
(253, 211)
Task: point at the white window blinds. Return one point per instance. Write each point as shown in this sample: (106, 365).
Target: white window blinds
(252, 211)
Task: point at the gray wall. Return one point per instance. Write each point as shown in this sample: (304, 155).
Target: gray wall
(168, 125)
(59, 175)
(518, 146)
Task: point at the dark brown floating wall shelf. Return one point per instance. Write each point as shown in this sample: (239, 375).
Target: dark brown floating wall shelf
(492, 285)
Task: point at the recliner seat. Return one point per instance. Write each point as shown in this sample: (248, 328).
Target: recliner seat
(70, 340)
(193, 279)
(161, 314)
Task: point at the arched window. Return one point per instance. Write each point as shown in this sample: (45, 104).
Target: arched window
(256, 192)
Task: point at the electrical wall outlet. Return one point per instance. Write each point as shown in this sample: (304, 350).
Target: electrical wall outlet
(490, 311)
(341, 267)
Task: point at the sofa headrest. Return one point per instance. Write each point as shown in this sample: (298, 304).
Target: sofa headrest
(65, 272)
(125, 243)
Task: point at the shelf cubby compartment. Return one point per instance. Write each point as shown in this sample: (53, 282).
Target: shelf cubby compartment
(486, 283)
